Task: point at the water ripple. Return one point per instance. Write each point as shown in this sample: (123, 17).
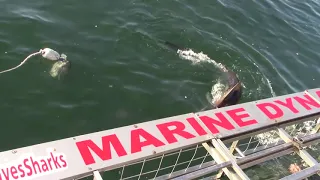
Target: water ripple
(32, 14)
(121, 69)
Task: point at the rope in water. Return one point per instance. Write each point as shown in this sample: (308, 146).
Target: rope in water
(24, 61)
(47, 53)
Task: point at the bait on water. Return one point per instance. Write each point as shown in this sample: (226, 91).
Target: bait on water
(59, 68)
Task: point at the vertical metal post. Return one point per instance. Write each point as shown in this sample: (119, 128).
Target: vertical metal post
(301, 152)
(219, 159)
(224, 151)
(220, 154)
(97, 175)
(316, 129)
(231, 150)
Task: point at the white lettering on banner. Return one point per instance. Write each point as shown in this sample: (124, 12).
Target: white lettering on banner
(28, 166)
(171, 129)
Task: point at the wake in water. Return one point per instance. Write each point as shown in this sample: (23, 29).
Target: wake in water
(199, 57)
(219, 88)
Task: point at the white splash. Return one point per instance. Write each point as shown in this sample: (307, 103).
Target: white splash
(293, 130)
(217, 91)
(267, 138)
(199, 57)
(219, 88)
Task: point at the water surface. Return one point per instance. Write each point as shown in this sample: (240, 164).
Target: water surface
(121, 74)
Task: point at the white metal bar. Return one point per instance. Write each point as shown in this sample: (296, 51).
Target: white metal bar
(307, 158)
(301, 152)
(141, 169)
(232, 148)
(190, 170)
(204, 159)
(284, 135)
(110, 149)
(192, 158)
(219, 159)
(159, 166)
(240, 152)
(257, 146)
(245, 162)
(176, 162)
(168, 167)
(122, 172)
(223, 150)
(316, 129)
(248, 144)
(97, 175)
(203, 172)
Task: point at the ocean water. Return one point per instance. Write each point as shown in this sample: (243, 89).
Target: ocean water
(122, 73)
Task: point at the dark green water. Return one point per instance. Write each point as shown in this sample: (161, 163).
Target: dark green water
(122, 75)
